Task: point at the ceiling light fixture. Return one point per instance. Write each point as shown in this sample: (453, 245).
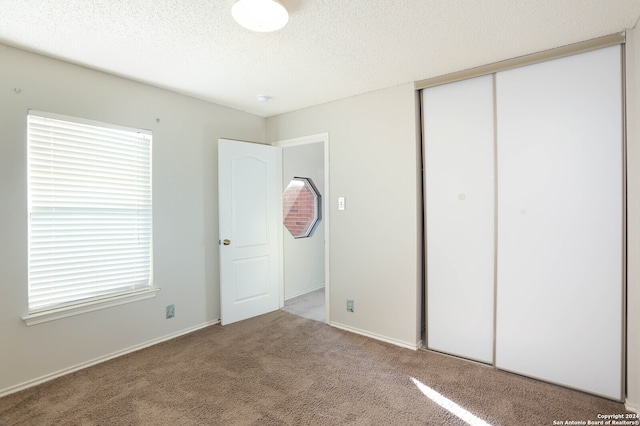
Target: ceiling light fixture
(260, 15)
(263, 98)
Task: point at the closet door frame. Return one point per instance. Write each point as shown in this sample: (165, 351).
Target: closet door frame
(586, 46)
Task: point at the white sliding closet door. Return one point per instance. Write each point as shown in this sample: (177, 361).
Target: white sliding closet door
(560, 221)
(459, 182)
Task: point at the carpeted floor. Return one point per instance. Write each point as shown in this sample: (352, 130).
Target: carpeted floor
(282, 369)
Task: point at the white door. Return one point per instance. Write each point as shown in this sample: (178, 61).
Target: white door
(459, 182)
(249, 182)
(560, 221)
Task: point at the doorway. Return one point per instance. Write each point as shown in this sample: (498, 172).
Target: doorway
(305, 260)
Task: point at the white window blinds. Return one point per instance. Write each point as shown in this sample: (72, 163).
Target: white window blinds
(90, 210)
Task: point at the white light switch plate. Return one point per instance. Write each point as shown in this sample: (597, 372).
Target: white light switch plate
(341, 203)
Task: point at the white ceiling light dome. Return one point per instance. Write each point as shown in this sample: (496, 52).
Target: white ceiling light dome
(260, 15)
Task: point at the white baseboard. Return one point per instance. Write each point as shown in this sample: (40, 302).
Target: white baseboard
(51, 376)
(303, 292)
(412, 346)
(631, 407)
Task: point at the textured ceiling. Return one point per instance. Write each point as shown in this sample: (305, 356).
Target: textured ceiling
(331, 49)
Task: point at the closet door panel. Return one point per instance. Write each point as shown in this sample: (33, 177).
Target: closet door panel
(560, 221)
(459, 182)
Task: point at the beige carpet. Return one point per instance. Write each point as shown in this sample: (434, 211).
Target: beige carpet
(282, 369)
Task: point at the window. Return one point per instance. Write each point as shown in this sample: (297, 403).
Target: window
(89, 212)
(301, 204)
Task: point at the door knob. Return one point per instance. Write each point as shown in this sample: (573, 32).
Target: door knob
(226, 242)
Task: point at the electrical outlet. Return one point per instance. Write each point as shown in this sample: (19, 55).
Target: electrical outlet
(171, 311)
(349, 305)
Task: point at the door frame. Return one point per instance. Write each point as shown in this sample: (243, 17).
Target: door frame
(305, 140)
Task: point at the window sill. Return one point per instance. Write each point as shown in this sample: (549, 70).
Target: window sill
(39, 317)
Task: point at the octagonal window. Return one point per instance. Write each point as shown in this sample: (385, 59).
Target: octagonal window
(301, 207)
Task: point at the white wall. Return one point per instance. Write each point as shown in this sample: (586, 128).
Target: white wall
(304, 257)
(632, 50)
(185, 211)
(375, 255)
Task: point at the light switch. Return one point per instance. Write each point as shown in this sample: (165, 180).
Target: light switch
(341, 203)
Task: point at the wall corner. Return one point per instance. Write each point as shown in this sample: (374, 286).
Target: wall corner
(632, 92)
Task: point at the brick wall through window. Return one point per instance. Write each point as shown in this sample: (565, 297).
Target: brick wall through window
(300, 204)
